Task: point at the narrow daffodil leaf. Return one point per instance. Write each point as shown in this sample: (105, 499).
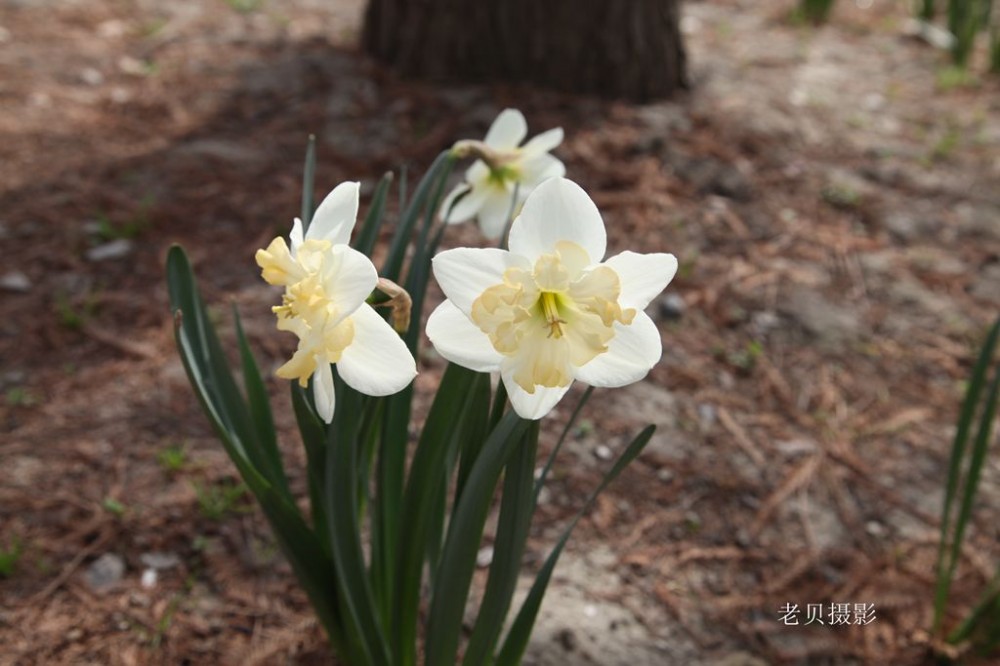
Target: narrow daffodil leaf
(308, 183)
(987, 604)
(387, 505)
(977, 456)
(950, 544)
(203, 357)
(408, 218)
(471, 443)
(364, 242)
(517, 638)
(516, 509)
(314, 442)
(468, 436)
(465, 533)
(215, 388)
(364, 630)
(268, 458)
(420, 266)
(447, 413)
(540, 483)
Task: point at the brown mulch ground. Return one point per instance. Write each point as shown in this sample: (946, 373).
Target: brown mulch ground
(836, 215)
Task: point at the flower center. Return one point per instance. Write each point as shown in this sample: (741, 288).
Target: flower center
(555, 317)
(550, 308)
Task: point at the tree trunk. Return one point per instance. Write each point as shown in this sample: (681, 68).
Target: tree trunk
(628, 49)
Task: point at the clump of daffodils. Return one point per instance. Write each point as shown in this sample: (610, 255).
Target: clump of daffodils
(548, 311)
(504, 173)
(326, 286)
(396, 517)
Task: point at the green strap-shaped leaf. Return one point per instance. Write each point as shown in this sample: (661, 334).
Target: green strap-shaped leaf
(397, 251)
(517, 507)
(313, 434)
(387, 505)
(308, 183)
(470, 433)
(268, 458)
(465, 532)
(216, 390)
(446, 416)
(365, 241)
(540, 483)
(364, 630)
(950, 543)
(517, 638)
(977, 456)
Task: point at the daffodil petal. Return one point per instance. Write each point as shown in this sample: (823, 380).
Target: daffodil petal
(558, 210)
(323, 393)
(543, 143)
(466, 207)
(541, 168)
(460, 341)
(532, 406)
(631, 353)
(334, 219)
(349, 278)
(494, 212)
(296, 236)
(642, 276)
(465, 273)
(377, 362)
(507, 131)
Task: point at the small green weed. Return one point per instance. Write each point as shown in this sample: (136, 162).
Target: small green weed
(217, 500)
(9, 557)
(111, 505)
(173, 458)
(18, 396)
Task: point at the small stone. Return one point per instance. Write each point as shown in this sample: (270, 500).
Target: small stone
(706, 416)
(603, 452)
(116, 249)
(148, 580)
(484, 557)
(105, 572)
(15, 281)
(160, 561)
(91, 76)
(672, 307)
(665, 475)
(904, 226)
(875, 528)
(74, 634)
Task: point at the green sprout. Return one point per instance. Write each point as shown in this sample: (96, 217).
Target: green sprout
(111, 505)
(9, 557)
(173, 458)
(217, 500)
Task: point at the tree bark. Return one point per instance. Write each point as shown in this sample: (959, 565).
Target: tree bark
(628, 49)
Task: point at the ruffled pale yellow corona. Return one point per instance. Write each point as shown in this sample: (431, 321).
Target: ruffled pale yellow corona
(549, 311)
(561, 312)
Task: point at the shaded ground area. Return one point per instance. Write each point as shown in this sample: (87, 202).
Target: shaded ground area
(836, 215)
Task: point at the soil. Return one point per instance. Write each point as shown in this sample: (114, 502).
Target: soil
(831, 196)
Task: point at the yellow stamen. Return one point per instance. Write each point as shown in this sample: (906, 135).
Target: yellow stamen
(550, 309)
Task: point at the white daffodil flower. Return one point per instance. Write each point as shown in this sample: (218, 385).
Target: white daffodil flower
(548, 311)
(503, 168)
(326, 283)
